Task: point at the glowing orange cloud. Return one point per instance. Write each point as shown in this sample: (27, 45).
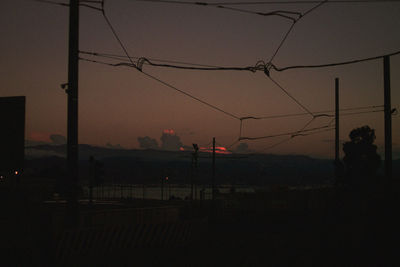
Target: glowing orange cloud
(218, 150)
(169, 131)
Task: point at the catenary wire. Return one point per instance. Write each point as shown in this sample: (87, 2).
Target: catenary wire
(292, 27)
(121, 57)
(191, 66)
(283, 134)
(284, 14)
(172, 87)
(303, 114)
(260, 65)
(157, 79)
(333, 64)
(267, 2)
(288, 94)
(51, 2)
(293, 16)
(114, 32)
(166, 84)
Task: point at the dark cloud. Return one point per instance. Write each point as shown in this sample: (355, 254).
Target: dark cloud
(333, 141)
(147, 142)
(170, 141)
(242, 148)
(58, 139)
(29, 143)
(117, 146)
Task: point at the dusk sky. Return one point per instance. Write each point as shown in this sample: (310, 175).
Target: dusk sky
(119, 104)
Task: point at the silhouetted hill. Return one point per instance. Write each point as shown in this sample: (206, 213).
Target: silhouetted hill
(149, 166)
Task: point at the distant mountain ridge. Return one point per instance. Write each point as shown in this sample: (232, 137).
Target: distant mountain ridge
(140, 166)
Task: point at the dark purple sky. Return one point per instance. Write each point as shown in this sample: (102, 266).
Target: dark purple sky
(117, 105)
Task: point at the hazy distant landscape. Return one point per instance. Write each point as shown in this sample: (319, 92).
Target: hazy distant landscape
(149, 166)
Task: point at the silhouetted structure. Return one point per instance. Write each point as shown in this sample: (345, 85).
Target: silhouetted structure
(12, 134)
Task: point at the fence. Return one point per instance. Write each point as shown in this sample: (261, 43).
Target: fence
(165, 192)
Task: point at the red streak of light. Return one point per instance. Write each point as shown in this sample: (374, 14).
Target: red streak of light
(39, 137)
(218, 150)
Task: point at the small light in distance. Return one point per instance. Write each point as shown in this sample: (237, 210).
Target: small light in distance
(16, 172)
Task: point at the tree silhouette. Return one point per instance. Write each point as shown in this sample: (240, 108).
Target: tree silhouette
(361, 160)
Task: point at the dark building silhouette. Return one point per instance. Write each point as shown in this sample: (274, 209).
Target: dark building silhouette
(12, 134)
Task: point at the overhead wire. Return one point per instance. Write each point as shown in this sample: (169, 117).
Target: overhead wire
(191, 96)
(293, 16)
(142, 61)
(306, 132)
(280, 69)
(283, 2)
(51, 2)
(157, 79)
(121, 57)
(316, 113)
(283, 14)
(266, 71)
(282, 42)
(289, 95)
(166, 84)
(236, 117)
(91, 7)
(114, 32)
(362, 112)
(90, 1)
(292, 27)
(283, 134)
(259, 66)
(81, 3)
(278, 143)
(191, 66)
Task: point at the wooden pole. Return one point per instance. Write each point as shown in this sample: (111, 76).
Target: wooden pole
(72, 120)
(388, 119)
(337, 120)
(213, 170)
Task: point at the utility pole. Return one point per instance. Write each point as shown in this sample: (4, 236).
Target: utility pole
(72, 91)
(213, 170)
(336, 123)
(193, 170)
(339, 170)
(162, 188)
(388, 119)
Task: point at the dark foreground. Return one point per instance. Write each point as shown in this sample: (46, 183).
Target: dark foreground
(318, 227)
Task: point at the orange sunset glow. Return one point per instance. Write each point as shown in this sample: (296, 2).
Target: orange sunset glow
(119, 104)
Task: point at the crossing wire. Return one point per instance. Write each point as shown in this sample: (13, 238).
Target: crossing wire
(322, 112)
(155, 78)
(283, 134)
(292, 27)
(292, 97)
(144, 60)
(167, 85)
